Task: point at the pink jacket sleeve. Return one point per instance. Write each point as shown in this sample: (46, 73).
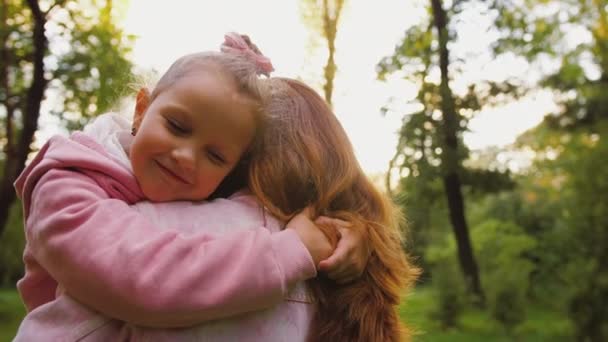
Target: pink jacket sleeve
(109, 257)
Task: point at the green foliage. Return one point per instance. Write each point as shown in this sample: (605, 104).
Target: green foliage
(86, 67)
(87, 64)
(542, 32)
(487, 181)
(451, 293)
(415, 58)
(475, 324)
(422, 197)
(502, 248)
(541, 236)
(528, 34)
(413, 55)
(11, 248)
(586, 270)
(424, 206)
(94, 73)
(567, 187)
(421, 148)
(12, 312)
(15, 65)
(448, 285)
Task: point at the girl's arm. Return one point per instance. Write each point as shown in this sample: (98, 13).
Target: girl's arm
(111, 258)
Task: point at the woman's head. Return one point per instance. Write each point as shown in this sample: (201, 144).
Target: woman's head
(305, 155)
(306, 159)
(199, 122)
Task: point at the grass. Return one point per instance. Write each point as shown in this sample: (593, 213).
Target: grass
(474, 325)
(11, 313)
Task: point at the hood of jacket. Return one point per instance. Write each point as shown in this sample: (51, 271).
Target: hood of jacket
(80, 153)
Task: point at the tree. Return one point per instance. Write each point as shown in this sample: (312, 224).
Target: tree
(571, 142)
(542, 33)
(430, 142)
(323, 17)
(68, 50)
(449, 158)
(18, 147)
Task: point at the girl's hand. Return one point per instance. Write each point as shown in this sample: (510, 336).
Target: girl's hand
(349, 260)
(314, 239)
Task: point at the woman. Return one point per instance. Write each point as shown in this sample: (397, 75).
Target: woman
(308, 161)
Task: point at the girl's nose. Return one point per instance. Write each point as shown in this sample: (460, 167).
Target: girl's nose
(185, 156)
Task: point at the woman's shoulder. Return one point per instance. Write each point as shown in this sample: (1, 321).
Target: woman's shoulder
(243, 196)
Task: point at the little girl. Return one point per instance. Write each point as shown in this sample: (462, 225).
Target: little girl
(190, 137)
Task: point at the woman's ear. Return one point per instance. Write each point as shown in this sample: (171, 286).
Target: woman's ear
(142, 101)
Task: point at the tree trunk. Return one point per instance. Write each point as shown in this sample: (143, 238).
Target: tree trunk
(330, 71)
(14, 164)
(4, 77)
(450, 160)
(330, 29)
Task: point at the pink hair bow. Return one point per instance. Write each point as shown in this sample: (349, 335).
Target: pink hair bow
(236, 43)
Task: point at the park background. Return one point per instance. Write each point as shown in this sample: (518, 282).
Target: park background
(486, 121)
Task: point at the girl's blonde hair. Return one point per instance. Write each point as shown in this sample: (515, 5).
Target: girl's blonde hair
(240, 67)
(306, 159)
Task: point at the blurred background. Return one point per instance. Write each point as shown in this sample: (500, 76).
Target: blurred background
(486, 121)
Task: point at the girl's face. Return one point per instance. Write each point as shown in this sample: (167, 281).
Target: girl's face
(190, 136)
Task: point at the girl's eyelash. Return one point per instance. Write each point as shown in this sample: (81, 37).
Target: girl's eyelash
(217, 157)
(176, 126)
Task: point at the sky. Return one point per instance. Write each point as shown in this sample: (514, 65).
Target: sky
(369, 30)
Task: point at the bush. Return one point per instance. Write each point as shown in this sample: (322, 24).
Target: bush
(448, 285)
(585, 212)
(501, 249)
(12, 243)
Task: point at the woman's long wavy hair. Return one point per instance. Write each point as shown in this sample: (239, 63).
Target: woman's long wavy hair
(306, 159)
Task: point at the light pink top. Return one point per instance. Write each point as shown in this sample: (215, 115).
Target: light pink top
(217, 261)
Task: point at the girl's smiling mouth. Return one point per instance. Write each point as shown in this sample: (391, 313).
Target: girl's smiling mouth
(172, 175)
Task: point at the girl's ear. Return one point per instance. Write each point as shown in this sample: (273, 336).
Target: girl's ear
(142, 101)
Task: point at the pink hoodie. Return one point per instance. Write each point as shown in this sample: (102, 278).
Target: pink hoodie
(82, 233)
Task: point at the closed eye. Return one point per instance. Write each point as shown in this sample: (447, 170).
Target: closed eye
(176, 127)
(216, 157)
